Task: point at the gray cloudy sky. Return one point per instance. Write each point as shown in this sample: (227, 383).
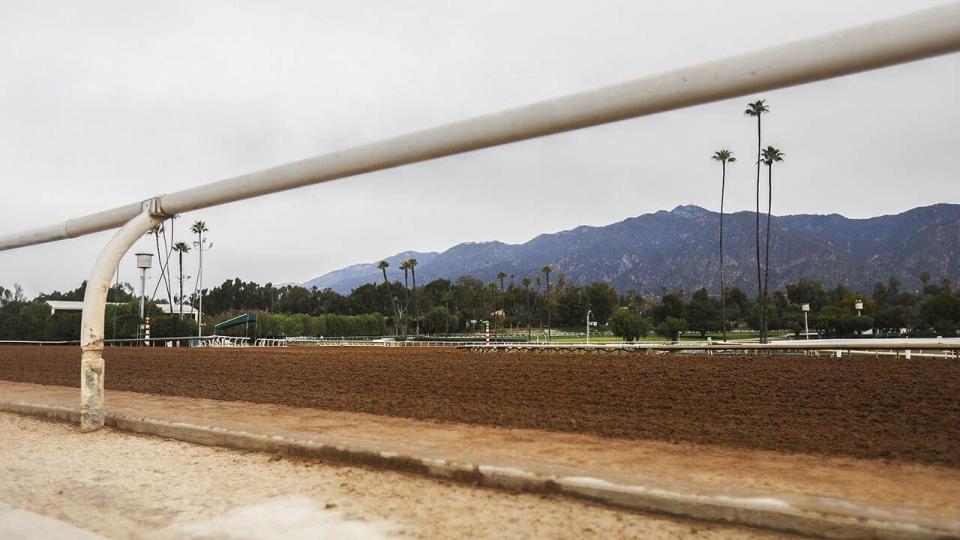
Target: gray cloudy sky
(104, 103)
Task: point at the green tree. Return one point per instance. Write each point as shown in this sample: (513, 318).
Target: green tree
(627, 324)
(671, 327)
(571, 305)
(602, 300)
(168, 327)
(438, 319)
(671, 305)
(724, 156)
(63, 326)
(701, 312)
(526, 281)
(738, 305)
(807, 291)
(941, 312)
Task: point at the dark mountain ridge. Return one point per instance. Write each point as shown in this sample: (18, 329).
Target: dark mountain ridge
(678, 249)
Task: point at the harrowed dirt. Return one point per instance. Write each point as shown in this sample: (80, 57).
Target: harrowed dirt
(896, 409)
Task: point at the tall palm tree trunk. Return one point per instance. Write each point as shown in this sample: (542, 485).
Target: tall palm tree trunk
(548, 308)
(723, 304)
(180, 253)
(200, 287)
(763, 337)
(416, 305)
(766, 263)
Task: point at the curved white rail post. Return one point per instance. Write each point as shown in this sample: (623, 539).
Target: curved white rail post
(94, 306)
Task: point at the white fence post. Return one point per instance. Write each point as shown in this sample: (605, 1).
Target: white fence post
(94, 308)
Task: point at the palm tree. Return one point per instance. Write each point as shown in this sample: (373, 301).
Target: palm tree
(413, 271)
(181, 248)
(198, 228)
(546, 270)
(771, 155)
(526, 287)
(724, 156)
(383, 265)
(405, 266)
(757, 108)
(412, 263)
(501, 276)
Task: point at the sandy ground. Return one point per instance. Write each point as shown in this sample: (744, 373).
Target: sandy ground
(127, 486)
(932, 490)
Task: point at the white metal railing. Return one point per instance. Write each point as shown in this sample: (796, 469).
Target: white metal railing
(191, 341)
(908, 348)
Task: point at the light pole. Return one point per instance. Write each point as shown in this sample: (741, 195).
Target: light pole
(144, 261)
(806, 328)
(588, 325)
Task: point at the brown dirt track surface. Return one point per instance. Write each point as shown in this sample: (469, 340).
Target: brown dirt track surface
(896, 409)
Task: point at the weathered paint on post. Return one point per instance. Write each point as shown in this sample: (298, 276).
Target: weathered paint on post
(94, 306)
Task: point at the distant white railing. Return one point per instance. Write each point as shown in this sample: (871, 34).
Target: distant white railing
(187, 341)
(905, 347)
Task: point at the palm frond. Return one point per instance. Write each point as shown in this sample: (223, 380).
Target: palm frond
(772, 155)
(757, 108)
(723, 155)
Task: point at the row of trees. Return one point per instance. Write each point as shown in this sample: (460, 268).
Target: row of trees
(460, 305)
(440, 306)
(32, 320)
(293, 324)
(463, 305)
(890, 311)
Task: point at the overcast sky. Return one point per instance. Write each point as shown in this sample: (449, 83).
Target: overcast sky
(105, 103)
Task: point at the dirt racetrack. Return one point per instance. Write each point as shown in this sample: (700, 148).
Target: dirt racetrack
(896, 409)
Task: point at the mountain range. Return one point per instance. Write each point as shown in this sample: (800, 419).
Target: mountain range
(678, 250)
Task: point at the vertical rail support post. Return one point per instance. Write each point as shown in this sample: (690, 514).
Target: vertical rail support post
(94, 307)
